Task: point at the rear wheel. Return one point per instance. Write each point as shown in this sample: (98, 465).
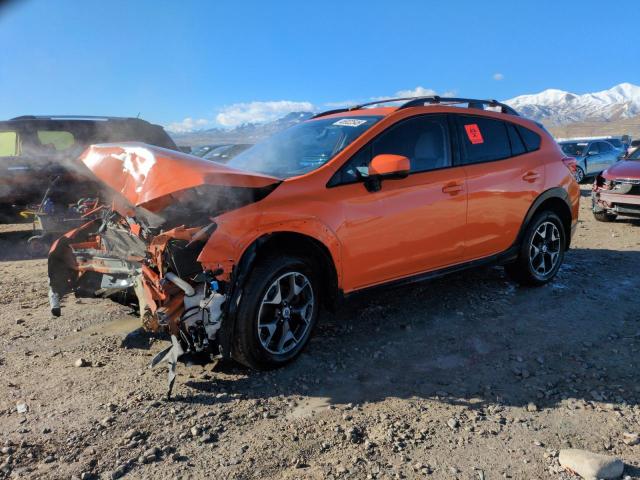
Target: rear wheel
(604, 216)
(541, 252)
(278, 310)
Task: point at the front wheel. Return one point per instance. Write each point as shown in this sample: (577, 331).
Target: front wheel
(541, 252)
(579, 175)
(277, 312)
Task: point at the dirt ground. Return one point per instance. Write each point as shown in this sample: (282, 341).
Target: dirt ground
(468, 377)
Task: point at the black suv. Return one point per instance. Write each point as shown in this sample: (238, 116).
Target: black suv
(34, 150)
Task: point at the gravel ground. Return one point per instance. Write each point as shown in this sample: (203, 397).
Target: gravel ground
(468, 377)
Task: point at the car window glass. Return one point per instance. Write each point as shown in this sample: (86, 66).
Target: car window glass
(605, 147)
(594, 149)
(531, 139)
(574, 149)
(517, 146)
(56, 140)
(483, 139)
(8, 144)
(303, 147)
(423, 140)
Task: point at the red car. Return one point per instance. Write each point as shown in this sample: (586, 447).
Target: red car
(616, 191)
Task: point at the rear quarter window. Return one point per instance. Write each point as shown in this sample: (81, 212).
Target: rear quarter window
(530, 138)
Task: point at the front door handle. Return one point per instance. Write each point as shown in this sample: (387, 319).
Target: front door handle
(452, 188)
(530, 177)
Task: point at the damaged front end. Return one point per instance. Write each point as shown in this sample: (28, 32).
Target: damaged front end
(616, 191)
(144, 250)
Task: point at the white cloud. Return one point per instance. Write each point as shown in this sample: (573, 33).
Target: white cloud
(188, 125)
(423, 92)
(498, 76)
(259, 112)
(416, 92)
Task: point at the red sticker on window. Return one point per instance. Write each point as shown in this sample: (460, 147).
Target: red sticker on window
(473, 132)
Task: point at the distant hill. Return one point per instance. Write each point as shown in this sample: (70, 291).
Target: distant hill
(557, 107)
(625, 126)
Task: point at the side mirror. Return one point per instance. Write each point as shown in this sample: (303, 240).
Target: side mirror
(386, 167)
(592, 152)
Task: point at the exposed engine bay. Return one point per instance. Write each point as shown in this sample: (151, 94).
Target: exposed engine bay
(144, 249)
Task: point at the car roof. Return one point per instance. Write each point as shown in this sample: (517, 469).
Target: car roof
(77, 118)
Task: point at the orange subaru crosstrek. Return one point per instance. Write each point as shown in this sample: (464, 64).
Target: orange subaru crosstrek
(238, 259)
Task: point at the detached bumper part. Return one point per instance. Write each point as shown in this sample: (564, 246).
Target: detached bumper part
(54, 303)
(171, 356)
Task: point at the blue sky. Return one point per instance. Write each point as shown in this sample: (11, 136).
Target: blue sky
(222, 62)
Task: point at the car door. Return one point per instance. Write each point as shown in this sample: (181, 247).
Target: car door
(593, 158)
(410, 225)
(505, 174)
(608, 155)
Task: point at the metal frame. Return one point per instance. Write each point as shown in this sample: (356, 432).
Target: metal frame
(73, 117)
(431, 100)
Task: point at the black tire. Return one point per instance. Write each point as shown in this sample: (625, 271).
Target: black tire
(38, 245)
(580, 176)
(604, 216)
(522, 270)
(248, 348)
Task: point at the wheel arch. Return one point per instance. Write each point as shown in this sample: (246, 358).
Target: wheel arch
(305, 246)
(284, 241)
(556, 200)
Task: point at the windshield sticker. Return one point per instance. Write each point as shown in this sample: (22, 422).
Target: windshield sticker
(473, 133)
(349, 122)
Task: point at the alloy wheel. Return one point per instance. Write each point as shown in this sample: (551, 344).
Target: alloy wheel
(579, 175)
(544, 249)
(285, 313)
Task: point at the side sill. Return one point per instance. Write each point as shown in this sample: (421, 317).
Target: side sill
(505, 257)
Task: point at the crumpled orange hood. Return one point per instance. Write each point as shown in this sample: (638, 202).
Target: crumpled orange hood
(143, 174)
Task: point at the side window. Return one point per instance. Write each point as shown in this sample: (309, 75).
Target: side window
(531, 139)
(605, 147)
(56, 139)
(517, 146)
(8, 144)
(483, 139)
(594, 149)
(423, 140)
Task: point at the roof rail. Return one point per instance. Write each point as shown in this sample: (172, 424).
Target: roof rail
(361, 105)
(471, 103)
(73, 117)
(420, 101)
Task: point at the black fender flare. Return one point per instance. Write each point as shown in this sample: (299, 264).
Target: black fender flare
(555, 192)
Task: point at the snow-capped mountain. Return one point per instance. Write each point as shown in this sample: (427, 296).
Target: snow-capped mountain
(247, 133)
(557, 107)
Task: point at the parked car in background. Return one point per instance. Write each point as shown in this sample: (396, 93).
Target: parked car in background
(34, 150)
(225, 153)
(202, 150)
(239, 259)
(616, 191)
(593, 156)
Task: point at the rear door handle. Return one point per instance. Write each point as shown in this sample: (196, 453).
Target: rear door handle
(452, 188)
(530, 177)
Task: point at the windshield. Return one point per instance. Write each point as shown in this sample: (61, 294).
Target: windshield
(575, 149)
(303, 147)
